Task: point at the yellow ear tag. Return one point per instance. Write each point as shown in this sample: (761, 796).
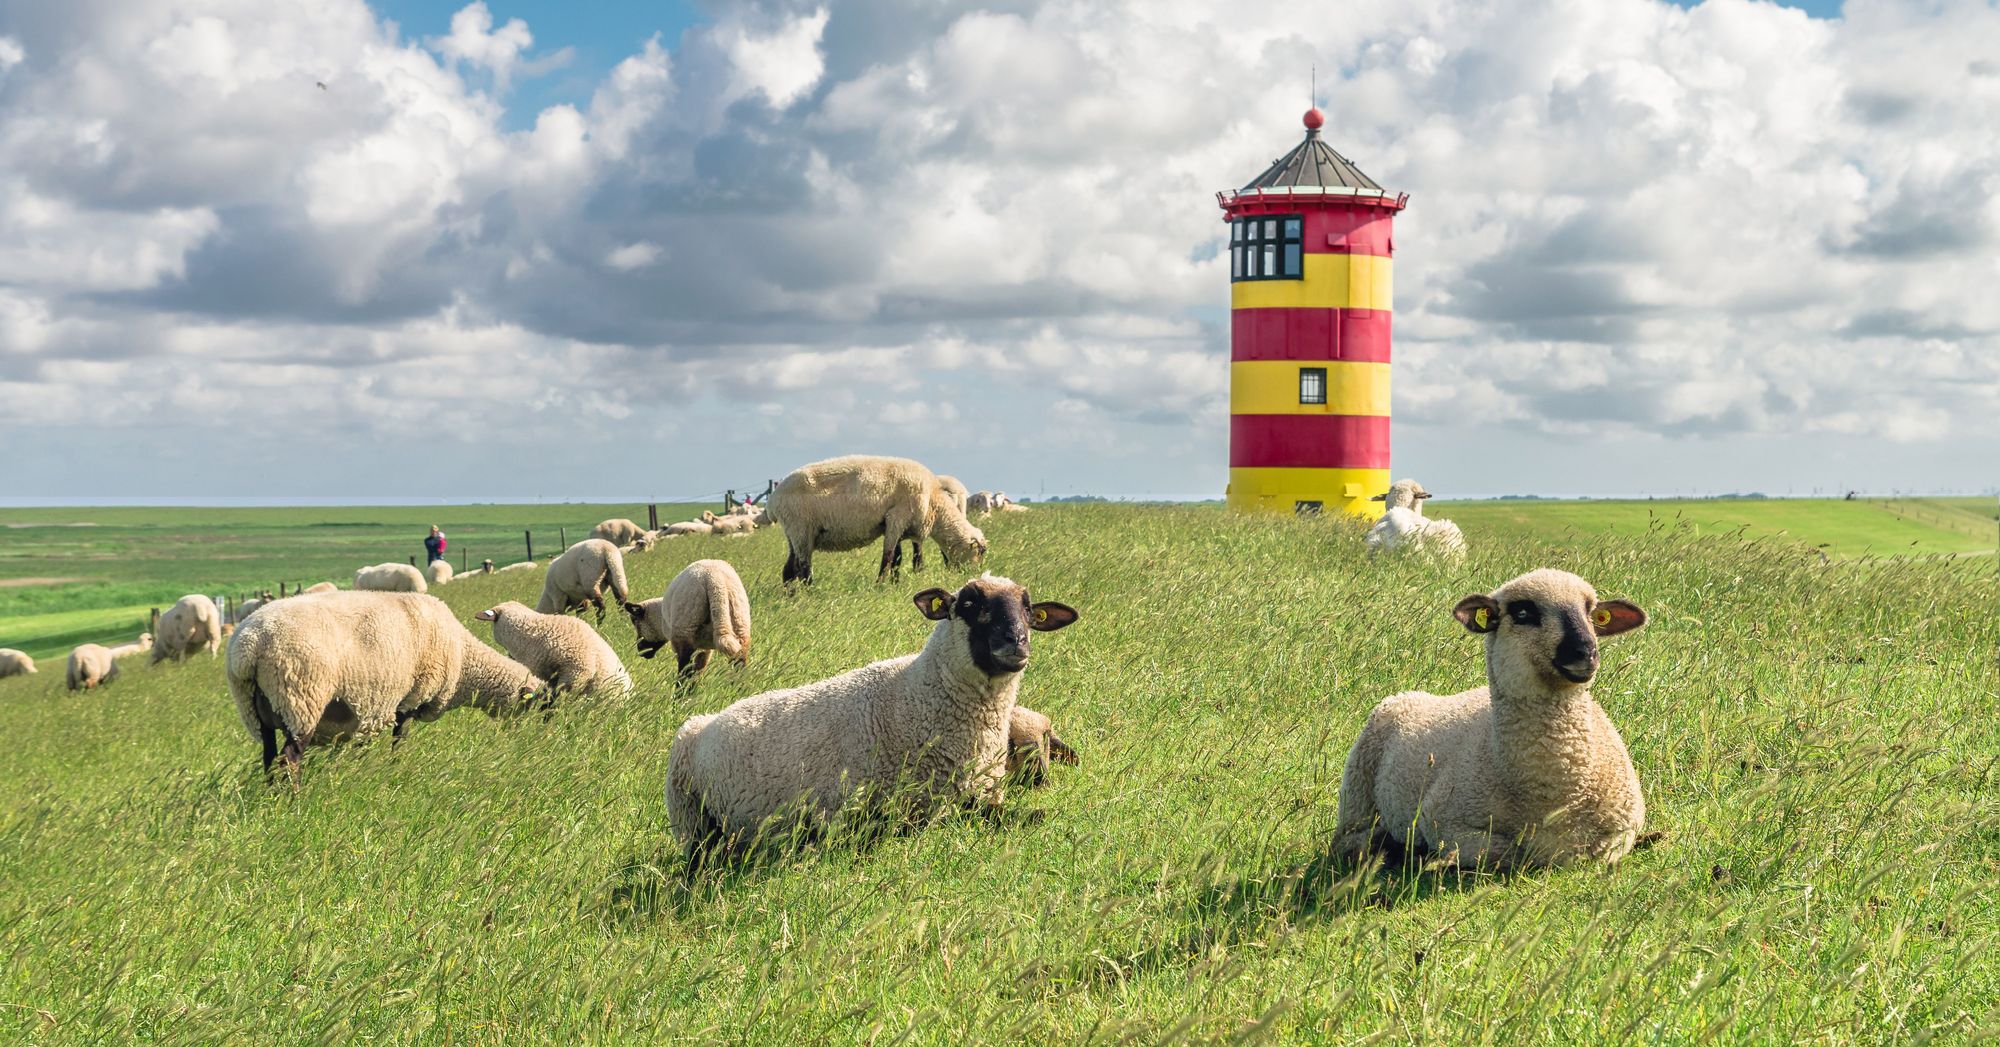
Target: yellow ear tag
(1481, 617)
(1041, 614)
(1601, 617)
(937, 603)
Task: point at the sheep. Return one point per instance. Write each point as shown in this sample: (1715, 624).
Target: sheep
(846, 503)
(438, 572)
(15, 663)
(705, 609)
(1403, 526)
(903, 737)
(619, 532)
(1032, 746)
(579, 575)
(686, 527)
(328, 587)
(485, 567)
(980, 502)
(334, 666)
(955, 489)
(390, 578)
(560, 649)
(732, 524)
(93, 665)
(190, 625)
(1525, 772)
(524, 565)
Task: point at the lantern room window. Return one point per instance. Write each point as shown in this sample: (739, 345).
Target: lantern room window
(1267, 247)
(1312, 385)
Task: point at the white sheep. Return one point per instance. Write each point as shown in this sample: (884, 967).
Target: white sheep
(524, 565)
(705, 609)
(675, 530)
(1032, 746)
(15, 663)
(323, 587)
(438, 572)
(390, 578)
(900, 737)
(580, 575)
(341, 665)
(956, 490)
(560, 649)
(847, 503)
(1524, 772)
(94, 665)
(732, 524)
(191, 624)
(620, 532)
(1404, 528)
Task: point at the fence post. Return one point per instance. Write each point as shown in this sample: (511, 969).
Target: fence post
(153, 623)
(529, 538)
(562, 535)
(728, 499)
(228, 609)
(464, 559)
(413, 561)
(652, 518)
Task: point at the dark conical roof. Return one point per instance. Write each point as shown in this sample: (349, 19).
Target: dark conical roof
(1312, 163)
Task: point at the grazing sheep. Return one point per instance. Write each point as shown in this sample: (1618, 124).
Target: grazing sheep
(524, 565)
(1524, 772)
(1032, 746)
(560, 649)
(705, 609)
(980, 502)
(579, 576)
(93, 665)
(1403, 526)
(955, 490)
(846, 503)
(190, 625)
(620, 532)
(902, 737)
(15, 663)
(329, 587)
(390, 578)
(438, 572)
(334, 666)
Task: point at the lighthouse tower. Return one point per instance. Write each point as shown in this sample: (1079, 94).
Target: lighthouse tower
(1309, 246)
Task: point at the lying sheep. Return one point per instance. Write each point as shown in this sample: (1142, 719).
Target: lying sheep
(329, 587)
(438, 572)
(705, 609)
(620, 532)
(342, 665)
(1032, 746)
(560, 649)
(1524, 772)
(94, 665)
(1404, 528)
(389, 578)
(15, 663)
(675, 530)
(190, 625)
(900, 737)
(524, 565)
(733, 524)
(579, 575)
(955, 490)
(847, 503)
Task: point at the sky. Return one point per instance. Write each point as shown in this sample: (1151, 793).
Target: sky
(420, 249)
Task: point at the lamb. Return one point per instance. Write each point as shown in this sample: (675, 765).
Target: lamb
(1403, 526)
(901, 737)
(524, 565)
(190, 625)
(560, 649)
(438, 571)
(705, 609)
(846, 503)
(328, 587)
(956, 490)
(1032, 746)
(980, 502)
(620, 532)
(93, 665)
(334, 666)
(579, 575)
(390, 578)
(15, 663)
(1526, 772)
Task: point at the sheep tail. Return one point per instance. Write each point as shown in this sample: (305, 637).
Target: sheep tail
(729, 622)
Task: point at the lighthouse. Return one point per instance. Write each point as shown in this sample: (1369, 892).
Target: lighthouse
(1310, 242)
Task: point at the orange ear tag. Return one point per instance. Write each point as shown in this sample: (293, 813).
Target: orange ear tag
(1481, 617)
(1601, 617)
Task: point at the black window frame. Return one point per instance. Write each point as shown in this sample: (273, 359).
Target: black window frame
(1247, 241)
(1321, 372)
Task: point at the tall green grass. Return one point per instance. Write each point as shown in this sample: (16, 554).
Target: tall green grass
(1817, 738)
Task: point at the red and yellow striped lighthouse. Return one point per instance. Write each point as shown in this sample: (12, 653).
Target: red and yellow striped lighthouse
(1309, 246)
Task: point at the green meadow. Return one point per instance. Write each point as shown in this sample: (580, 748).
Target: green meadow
(1814, 712)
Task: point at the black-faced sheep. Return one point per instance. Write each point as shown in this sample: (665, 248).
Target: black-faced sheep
(848, 503)
(705, 609)
(579, 577)
(562, 650)
(191, 624)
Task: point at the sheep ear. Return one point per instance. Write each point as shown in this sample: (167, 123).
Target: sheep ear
(1383, 497)
(635, 610)
(1479, 613)
(934, 603)
(1050, 616)
(1616, 616)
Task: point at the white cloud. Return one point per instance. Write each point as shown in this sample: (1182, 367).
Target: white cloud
(636, 255)
(475, 41)
(782, 63)
(11, 53)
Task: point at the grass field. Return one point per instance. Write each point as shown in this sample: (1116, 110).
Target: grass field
(1817, 739)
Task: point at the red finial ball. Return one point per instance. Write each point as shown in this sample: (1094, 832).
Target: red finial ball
(1314, 118)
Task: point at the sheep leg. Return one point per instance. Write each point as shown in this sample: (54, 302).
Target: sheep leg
(403, 717)
(916, 554)
(891, 561)
(683, 654)
(701, 658)
(598, 602)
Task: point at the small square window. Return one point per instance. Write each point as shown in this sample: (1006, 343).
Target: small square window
(1312, 385)
(1291, 229)
(1270, 229)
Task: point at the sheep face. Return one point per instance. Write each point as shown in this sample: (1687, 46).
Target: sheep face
(993, 616)
(650, 639)
(1542, 630)
(1404, 494)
